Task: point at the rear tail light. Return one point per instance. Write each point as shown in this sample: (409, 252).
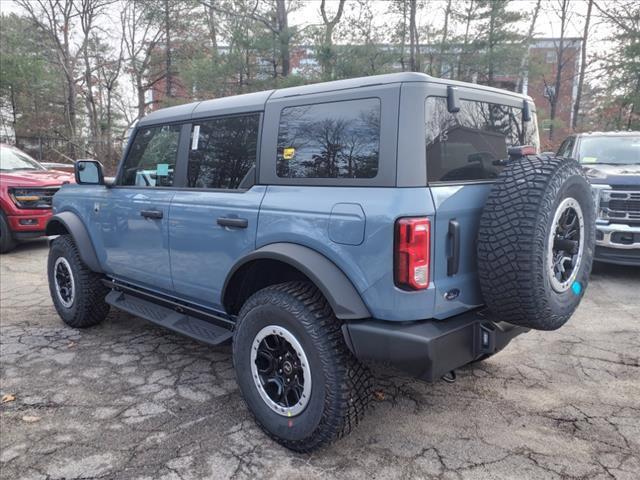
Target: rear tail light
(411, 256)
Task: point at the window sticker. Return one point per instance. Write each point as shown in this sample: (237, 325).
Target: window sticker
(288, 153)
(162, 170)
(589, 159)
(195, 138)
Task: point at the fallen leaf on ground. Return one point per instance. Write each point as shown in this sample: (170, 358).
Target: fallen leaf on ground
(30, 418)
(8, 398)
(379, 395)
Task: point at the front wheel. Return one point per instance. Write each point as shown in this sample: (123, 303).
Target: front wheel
(77, 292)
(297, 376)
(7, 242)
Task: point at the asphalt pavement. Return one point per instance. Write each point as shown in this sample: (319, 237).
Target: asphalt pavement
(129, 400)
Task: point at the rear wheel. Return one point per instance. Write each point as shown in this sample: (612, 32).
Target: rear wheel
(297, 376)
(536, 242)
(77, 292)
(7, 242)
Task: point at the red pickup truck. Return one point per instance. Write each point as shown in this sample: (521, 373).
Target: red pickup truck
(26, 191)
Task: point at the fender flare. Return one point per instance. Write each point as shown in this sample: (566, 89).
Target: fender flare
(63, 222)
(343, 297)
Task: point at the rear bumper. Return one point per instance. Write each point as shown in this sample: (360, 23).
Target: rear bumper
(428, 349)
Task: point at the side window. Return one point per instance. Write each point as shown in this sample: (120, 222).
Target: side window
(330, 140)
(566, 148)
(466, 145)
(152, 157)
(223, 152)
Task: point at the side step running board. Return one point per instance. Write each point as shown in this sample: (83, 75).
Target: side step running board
(187, 325)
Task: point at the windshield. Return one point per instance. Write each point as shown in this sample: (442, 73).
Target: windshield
(622, 150)
(12, 159)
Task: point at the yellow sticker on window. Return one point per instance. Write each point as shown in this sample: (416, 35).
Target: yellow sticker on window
(589, 159)
(288, 153)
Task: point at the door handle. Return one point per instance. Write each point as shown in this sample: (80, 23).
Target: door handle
(152, 214)
(233, 222)
(453, 259)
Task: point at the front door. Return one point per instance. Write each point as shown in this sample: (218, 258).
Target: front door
(133, 218)
(213, 222)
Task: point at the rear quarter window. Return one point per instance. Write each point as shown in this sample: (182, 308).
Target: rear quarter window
(329, 140)
(465, 146)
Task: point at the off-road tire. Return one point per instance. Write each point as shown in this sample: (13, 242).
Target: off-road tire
(342, 387)
(89, 307)
(7, 242)
(514, 238)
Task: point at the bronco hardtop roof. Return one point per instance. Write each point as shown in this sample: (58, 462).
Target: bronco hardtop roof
(256, 101)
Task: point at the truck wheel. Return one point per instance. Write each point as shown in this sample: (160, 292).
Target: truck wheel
(536, 242)
(7, 242)
(297, 376)
(77, 292)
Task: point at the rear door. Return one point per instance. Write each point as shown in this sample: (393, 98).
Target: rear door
(213, 220)
(462, 150)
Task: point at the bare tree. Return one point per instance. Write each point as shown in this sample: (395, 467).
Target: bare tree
(275, 18)
(212, 25)
(327, 40)
(583, 66)
(56, 19)
(403, 33)
(414, 39)
(467, 38)
(445, 33)
(554, 91)
(141, 37)
(524, 64)
(87, 12)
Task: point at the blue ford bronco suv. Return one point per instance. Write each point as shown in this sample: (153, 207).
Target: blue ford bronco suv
(326, 228)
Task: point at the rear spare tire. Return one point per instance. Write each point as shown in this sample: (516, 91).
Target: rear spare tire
(536, 241)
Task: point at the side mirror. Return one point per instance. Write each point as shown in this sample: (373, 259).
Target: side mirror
(526, 111)
(453, 101)
(89, 172)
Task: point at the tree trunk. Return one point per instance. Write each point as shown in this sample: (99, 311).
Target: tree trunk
(583, 67)
(167, 33)
(413, 38)
(403, 35)
(283, 36)
(559, 66)
(492, 21)
(213, 28)
(140, 93)
(445, 33)
(462, 55)
(524, 64)
(326, 62)
(14, 110)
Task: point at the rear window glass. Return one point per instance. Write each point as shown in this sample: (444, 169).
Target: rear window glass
(466, 145)
(330, 140)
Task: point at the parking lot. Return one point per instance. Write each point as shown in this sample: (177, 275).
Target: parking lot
(129, 400)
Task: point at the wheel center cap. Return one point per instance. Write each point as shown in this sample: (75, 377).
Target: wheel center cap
(287, 368)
